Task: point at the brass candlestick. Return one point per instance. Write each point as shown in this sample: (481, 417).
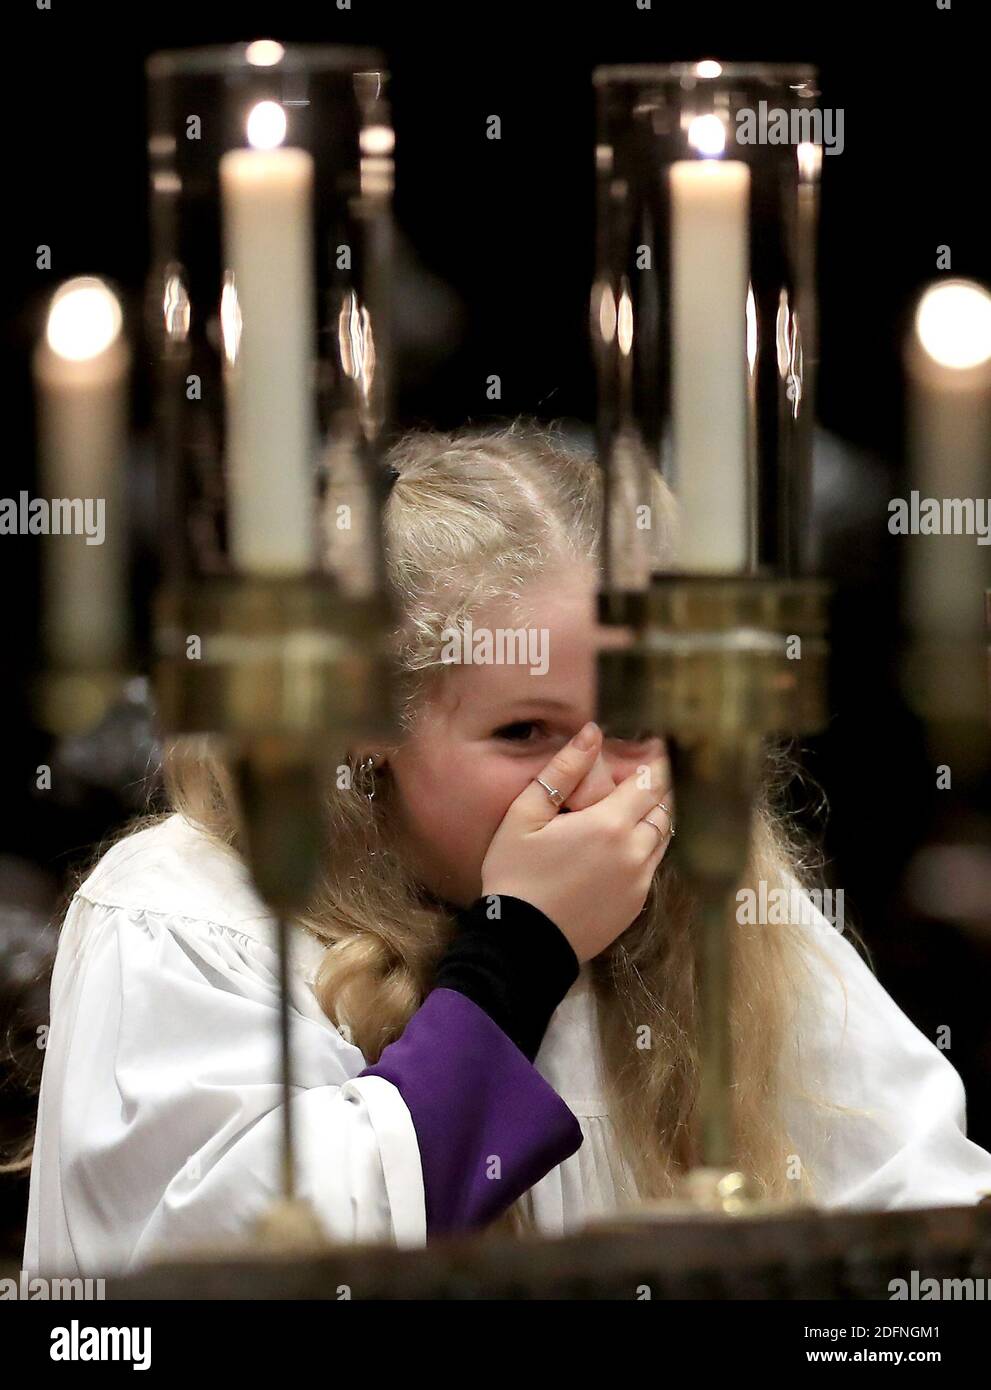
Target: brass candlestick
(706, 385)
(285, 672)
(713, 665)
(264, 471)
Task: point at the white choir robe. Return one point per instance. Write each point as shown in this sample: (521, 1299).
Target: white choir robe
(159, 1114)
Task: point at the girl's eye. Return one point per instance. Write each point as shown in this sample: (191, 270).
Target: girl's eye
(517, 733)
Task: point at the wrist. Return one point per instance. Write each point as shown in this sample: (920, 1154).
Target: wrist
(514, 962)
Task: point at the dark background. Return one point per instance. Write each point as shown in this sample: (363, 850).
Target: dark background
(499, 236)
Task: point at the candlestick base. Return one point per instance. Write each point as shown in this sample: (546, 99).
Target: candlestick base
(726, 1191)
(290, 1225)
(704, 1194)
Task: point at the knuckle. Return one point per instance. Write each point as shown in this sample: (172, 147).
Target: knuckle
(559, 769)
(571, 760)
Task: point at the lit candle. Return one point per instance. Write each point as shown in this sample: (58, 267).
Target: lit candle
(710, 200)
(267, 319)
(949, 366)
(81, 371)
(947, 571)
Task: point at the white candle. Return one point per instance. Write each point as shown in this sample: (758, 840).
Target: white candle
(949, 367)
(709, 277)
(269, 341)
(80, 371)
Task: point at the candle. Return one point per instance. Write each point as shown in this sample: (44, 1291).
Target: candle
(947, 570)
(80, 370)
(949, 367)
(709, 278)
(267, 320)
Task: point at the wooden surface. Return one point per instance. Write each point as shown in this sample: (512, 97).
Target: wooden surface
(809, 1255)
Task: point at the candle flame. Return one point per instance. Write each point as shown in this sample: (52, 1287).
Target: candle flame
(809, 161)
(264, 53)
(953, 324)
(84, 319)
(377, 139)
(707, 134)
(266, 125)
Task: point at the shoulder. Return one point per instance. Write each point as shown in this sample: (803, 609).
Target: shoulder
(173, 876)
(819, 914)
(846, 1010)
(173, 868)
(835, 961)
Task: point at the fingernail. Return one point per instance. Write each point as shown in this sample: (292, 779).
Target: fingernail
(585, 738)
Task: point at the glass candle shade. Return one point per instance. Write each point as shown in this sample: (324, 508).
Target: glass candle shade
(268, 313)
(703, 317)
(267, 306)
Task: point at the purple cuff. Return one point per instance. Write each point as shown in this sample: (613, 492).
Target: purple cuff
(487, 1123)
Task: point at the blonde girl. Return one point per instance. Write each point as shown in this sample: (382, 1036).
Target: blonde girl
(494, 996)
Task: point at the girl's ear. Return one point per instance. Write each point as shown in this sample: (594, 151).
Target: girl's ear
(361, 752)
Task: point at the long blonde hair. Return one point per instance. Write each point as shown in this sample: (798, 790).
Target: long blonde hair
(475, 515)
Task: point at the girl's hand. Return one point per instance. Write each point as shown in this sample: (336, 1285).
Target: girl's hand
(589, 871)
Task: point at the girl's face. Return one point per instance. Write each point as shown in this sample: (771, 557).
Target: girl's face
(489, 729)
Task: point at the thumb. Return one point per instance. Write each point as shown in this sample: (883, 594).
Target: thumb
(563, 773)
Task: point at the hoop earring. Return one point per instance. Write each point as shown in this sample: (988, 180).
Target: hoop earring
(366, 772)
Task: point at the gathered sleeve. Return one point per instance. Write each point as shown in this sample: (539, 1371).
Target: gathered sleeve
(160, 1113)
(892, 1132)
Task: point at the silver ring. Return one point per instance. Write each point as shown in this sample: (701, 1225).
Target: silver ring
(556, 796)
(661, 807)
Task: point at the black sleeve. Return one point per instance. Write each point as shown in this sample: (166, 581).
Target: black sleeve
(517, 966)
